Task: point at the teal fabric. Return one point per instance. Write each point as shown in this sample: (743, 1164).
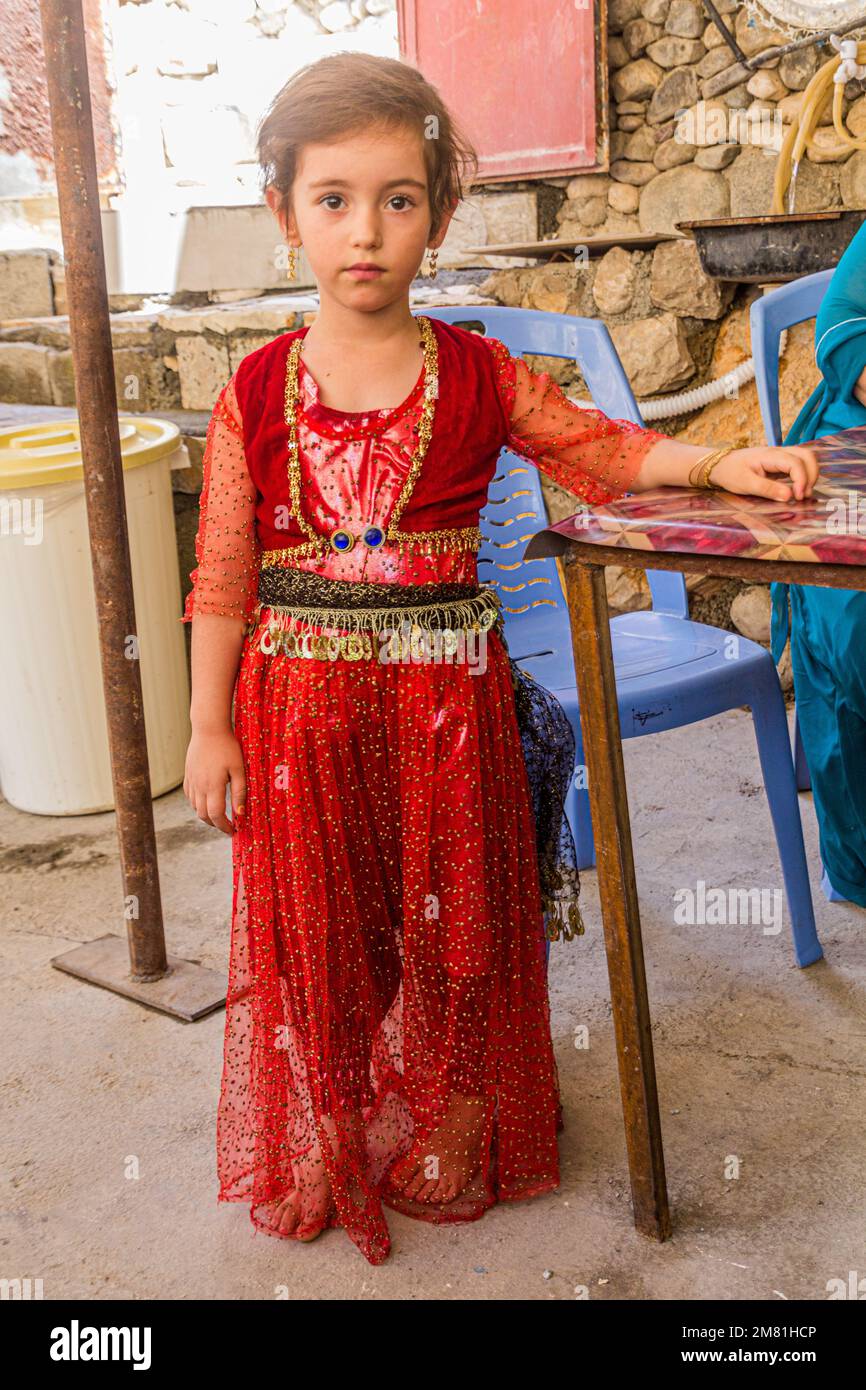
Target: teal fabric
(828, 626)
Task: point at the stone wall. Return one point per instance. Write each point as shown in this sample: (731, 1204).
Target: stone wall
(669, 79)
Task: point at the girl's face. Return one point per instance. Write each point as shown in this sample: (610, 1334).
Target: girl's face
(361, 201)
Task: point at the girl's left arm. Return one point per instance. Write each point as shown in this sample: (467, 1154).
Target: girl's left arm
(598, 458)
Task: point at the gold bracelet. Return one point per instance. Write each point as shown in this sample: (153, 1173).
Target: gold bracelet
(699, 462)
(694, 471)
(705, 464)
(704, 477)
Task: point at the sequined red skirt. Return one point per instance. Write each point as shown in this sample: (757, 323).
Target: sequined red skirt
(387, 944)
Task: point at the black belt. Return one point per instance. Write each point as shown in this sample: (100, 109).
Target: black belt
(301, 604)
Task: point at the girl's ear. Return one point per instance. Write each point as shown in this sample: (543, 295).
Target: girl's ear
(275, 200)
(444, 220)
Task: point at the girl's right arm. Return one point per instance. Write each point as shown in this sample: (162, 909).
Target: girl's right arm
(219, 605)
(599, 458)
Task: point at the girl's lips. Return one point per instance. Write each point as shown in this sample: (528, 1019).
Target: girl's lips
(363, 274)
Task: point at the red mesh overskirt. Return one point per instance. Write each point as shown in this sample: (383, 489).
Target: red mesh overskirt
(387, 945)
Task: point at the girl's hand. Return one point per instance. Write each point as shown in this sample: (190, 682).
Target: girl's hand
(213, 759)
(751, 471)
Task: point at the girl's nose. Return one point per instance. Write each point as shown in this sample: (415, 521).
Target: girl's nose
(366, 235)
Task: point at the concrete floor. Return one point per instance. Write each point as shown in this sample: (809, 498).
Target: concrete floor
(756, 1059)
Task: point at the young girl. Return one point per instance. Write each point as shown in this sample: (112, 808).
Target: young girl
(387, 1034)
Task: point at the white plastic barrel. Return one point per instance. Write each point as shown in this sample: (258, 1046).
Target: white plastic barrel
(54, 755)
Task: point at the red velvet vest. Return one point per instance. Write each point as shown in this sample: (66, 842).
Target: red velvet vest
(469, 430)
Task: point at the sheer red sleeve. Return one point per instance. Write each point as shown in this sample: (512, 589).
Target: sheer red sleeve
(591, 455)
(225, 580)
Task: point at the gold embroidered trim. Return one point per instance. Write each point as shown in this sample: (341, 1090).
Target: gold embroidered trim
(457, 538)
(287, 554)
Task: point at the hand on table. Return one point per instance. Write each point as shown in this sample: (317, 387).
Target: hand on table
(754, 472)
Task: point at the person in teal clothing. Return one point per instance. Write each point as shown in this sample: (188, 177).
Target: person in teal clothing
(828, 626)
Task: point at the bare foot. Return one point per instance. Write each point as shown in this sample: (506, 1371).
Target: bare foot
(290, 1217)
(306, 1210)
(438, 1168)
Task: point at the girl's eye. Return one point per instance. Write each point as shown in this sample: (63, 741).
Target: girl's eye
(398, 197)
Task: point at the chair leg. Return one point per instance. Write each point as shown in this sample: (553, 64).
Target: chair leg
(777, 764)
(577, 809)
(801, 767)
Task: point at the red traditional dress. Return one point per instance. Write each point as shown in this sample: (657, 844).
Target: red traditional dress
(387, 944)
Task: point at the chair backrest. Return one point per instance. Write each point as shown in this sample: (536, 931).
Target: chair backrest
(536, 616)
(780, 309)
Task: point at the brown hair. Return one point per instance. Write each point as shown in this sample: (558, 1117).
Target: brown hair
(345, 92)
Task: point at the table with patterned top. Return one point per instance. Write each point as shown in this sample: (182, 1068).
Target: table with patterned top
(819, 541)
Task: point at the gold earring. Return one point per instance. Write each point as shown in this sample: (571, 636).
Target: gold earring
(432, 271)
(290, 271)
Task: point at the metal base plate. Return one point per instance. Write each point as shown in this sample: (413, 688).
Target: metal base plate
(188, 991)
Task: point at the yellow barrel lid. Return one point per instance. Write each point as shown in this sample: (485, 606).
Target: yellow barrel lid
(36, 455)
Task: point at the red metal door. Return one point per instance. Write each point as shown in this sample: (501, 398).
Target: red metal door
(520, 78)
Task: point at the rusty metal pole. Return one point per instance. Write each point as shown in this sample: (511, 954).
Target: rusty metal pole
(63, 36)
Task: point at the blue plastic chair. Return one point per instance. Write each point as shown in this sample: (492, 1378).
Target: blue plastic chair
(768, 316)
(669, 670)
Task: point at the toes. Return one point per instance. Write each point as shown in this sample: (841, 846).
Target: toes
(314, 1213)
(311, 1222)
(444, 1192)
(287, 1214)
(403, 1171)
(427, 1192)
(442, 1189)
(308, 1230)
(419, 1182)
(313, 1225)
